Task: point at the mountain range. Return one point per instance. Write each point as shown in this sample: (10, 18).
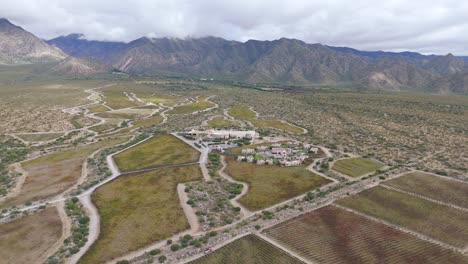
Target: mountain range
(284, 61)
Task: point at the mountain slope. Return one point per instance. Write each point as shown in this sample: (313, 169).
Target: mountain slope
(287, 61)
(17, 46)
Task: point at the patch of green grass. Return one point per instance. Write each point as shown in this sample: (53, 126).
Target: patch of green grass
(98, 109)
(39, 137)
(248, 250)
(200, 105)
(116, 99)
(103, 127)
(139, 209)
(356, 167)
(117, 115)
(220, 122)
(244, 113)
(437, 221)
(148, 121)
(269, 185)
(159, 150)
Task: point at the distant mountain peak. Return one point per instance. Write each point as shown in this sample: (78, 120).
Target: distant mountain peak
(76, 36)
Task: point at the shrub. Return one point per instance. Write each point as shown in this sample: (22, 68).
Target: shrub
(175, 247)
(162, 259)
(155, 252)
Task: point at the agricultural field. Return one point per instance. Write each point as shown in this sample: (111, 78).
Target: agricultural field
(117, 115)
(148, 121)
(434, 187)
(200, 105)
(356, 167)
(139, 209)
(221, 122)
(116, 99)
(269, 185)
(248, 250)
(434, 220)
(243, 113)
(52, 174)
(333, 235)
(30, 239)
(110, 124)
(98, 109)
(39, 136)
(159, 150)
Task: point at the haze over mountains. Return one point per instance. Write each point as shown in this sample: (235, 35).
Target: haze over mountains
(287, 61)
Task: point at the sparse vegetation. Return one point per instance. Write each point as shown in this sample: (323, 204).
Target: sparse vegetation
(356, 167)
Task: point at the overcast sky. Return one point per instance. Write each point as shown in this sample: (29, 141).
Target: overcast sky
(425, 26)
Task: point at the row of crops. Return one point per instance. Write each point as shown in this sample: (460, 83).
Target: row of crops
(248, 250)
(334, 235)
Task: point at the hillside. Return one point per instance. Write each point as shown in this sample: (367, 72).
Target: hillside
(17, 46)
(286, 61)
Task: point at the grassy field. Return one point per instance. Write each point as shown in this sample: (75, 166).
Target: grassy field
(98, 109)
(39, 137)
(159, 150)
(54, 173)
(269, 185)
(148, 121)
(356, 167)
(104, 127)
(137, 210)
(437, 188)
(243, 113)
(116, 99)
(437, 221)
(200, 105)
(248, 250)
(27, 240)
(220, 122)
(332, 235)
(117, 115)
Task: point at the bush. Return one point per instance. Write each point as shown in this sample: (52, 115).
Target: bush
(123, 261)
(74, 199)
(154, 252)
(175, 247)
(84, 220)
(162, 259)
(213, 233)
(169, 241)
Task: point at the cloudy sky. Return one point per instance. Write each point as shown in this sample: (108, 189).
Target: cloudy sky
(435, 26)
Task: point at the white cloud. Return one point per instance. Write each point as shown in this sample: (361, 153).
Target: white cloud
(429, 27)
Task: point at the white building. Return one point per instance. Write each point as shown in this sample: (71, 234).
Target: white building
(224, 134)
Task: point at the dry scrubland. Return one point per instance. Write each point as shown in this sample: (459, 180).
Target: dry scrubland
(243, 113)
(199, 105)
(248, 250)
(148, 122)
(437, 221)
(28, 239)
(52, 174)
(333, 235)
(356, 167)
(159, 150)
(138, 209)
(434, 187)
(36, 106)
(269, 185)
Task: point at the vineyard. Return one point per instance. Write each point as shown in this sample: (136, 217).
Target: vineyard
(356, 167)
(437, 221)
(334, 235)
(248, 250)
(434, 187)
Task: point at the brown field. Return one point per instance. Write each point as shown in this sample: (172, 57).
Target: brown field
(437, 221)
(333, 235)
(54, 173)
(434, 187)
(139, 209)
(269, 185)
(159, 150)
(248, 250)
(28, 239)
